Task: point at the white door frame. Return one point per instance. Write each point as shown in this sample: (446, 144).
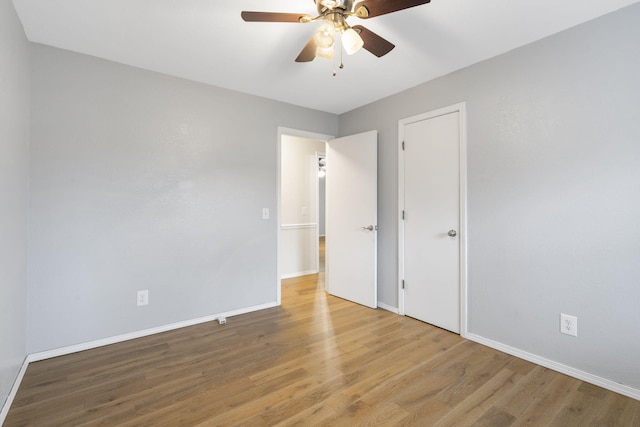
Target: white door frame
(319, 156)
(301, 134)
(461, 109)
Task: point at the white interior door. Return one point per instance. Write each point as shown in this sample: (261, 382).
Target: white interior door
(351, 218)
(431, 223)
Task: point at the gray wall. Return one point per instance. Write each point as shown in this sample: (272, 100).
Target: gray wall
(14, 174)
(553, 192)
(144, 181)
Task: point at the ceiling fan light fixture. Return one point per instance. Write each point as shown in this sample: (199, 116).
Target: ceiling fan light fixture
(329, 4)
(325, 52)
(324, 35)
(351, 41)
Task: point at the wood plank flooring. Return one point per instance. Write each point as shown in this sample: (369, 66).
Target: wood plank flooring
(317, 360)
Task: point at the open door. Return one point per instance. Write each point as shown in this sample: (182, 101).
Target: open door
(351, 218)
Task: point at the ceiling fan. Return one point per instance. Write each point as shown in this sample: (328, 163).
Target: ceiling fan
(334, 14)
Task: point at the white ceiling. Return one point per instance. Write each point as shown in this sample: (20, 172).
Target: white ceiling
(207, 41)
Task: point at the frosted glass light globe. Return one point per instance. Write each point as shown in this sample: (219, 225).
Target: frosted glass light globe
(324, 35)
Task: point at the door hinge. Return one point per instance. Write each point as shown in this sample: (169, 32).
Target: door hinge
(402, 145)
(403, 215)
(403, 284)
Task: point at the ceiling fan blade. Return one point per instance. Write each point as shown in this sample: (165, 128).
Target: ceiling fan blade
(373, 42)
(273, 17)
(308, 53)
(370, 8)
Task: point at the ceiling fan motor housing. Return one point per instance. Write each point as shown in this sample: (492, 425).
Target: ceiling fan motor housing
(343, 7)
(335, 11)
(324, 5)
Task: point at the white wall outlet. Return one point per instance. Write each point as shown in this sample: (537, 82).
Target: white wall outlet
(568, 324)
(143, 298)
(304, 210)
(265, 213)
(222, 320)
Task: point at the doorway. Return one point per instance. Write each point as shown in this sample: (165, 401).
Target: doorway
(298, 243)
(350, 219)
(322, 211)
(432, 243)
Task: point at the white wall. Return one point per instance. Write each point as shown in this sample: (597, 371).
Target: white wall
(299, 205)
(322, 204)
(14, 174)
(553, 192)
(145, 181)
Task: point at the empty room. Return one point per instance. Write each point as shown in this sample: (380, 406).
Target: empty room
(376, 212)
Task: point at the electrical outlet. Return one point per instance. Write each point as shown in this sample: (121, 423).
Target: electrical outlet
(143, 298)
(568, 324)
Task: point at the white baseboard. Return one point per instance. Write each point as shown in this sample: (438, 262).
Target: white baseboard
(14, 390)
(558, 367)
(143, 333)
(388, 307)
(547, 363)
(298, 274)
(34, 357)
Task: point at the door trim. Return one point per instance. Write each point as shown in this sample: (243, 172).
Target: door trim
(301, 134)
(461, 109)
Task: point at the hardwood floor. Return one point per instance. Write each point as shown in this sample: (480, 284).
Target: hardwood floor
(317, 360)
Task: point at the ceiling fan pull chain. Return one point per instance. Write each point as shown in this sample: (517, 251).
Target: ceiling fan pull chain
(335, 47)
(341, 66)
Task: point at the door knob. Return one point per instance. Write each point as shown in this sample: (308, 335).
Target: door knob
(370, 228)
(452, 233)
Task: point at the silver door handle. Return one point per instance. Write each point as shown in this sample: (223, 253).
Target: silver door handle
(452, 233)
(370, 228)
